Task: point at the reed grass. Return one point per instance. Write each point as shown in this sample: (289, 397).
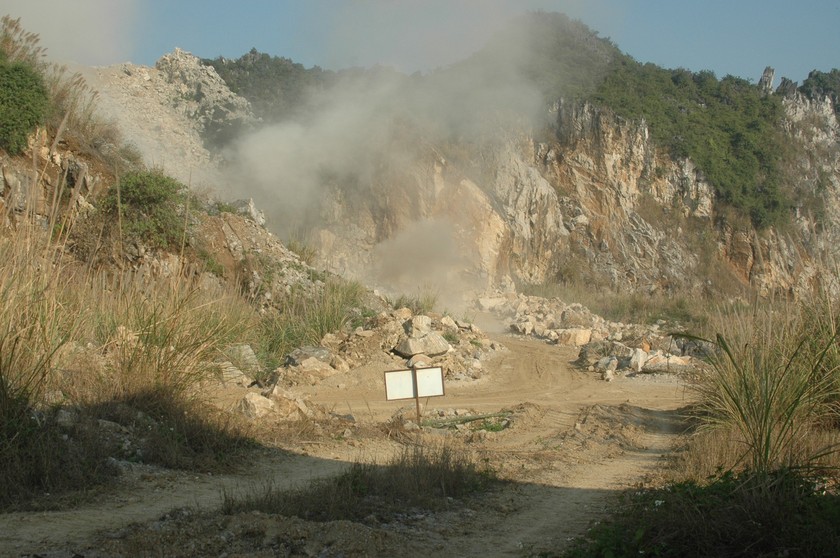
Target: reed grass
(303, 318)
(774, 386)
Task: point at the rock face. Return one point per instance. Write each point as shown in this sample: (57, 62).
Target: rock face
(203, 97)
(597, 203)
(593, 201)
(167, 111)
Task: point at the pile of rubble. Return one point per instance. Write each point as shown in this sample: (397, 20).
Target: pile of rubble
(607, 347)
(399, 337)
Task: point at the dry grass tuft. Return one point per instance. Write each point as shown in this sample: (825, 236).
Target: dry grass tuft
(420, 477)
(104, 346)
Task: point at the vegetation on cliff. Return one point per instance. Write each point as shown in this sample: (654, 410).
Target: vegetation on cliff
(728, 127)
(147, 206)
(820, 85)
(23, 96)
(276, 87)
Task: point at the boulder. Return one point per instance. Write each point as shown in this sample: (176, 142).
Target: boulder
(255, 406)
(594, 350)
(315, 368)
(638, 359)
(243, 357)
(418, 326)
(525, 327)
(301, 354)
(419, 360)
(608, 363)
(448, 323)
(574, 337)
(432, 344)
(660, 362)
(402, 314)
(576, 315)
(233, 375)
(339, 364)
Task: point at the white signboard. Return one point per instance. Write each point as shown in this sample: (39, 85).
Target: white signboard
(400, 384)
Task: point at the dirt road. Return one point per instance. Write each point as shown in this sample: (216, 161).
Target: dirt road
(574, 440)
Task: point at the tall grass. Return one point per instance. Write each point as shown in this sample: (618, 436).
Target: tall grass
(774, 384)
(162, 335)
(33, 328)
(759, 477)
(303, 318)
(103, 346)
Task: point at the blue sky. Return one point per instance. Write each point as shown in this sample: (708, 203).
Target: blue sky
(738, 37)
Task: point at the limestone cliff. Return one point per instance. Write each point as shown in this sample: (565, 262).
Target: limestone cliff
(592, 199)
(598, 202)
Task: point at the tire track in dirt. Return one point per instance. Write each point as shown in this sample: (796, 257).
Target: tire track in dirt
(28, 532)
(575, 441)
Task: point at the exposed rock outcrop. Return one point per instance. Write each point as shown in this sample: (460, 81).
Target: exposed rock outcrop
(600, 203)
(594, 200)
(204, 97)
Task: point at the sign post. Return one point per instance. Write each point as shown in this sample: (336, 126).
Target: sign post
(414, 383)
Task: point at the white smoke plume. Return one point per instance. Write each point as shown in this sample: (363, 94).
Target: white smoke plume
(349, 137)
(90, 32)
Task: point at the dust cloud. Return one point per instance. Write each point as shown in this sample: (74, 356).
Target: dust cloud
(90, 32)
(365, 137)
(424, 261)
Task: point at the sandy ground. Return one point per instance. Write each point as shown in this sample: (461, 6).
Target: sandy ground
(574, 441)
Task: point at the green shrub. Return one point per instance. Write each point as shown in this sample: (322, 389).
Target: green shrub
(23, 104)
(147, 205)
(276, 87)
(819, 85)
(730, 516)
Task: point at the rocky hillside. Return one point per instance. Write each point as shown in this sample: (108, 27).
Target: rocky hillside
(599, 204)
(597, 201)
(166, 111)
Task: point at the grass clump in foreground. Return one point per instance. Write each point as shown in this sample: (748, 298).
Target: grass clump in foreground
(759, 475)
(419, 477)
(735, 515)
(78, 347)
(303, 318)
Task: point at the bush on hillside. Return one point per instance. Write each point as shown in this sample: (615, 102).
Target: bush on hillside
(276, 87)
(23, 103)
(819, 85)
(147, 206)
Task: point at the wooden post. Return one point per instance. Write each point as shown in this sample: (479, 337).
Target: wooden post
(416, 393)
